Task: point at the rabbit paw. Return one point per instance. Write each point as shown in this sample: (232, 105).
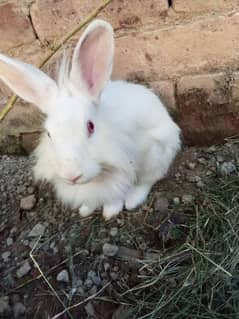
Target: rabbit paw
(136, 196)
(85, 210)
(112, 210)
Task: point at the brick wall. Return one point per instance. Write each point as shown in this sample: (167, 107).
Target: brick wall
(187, 50)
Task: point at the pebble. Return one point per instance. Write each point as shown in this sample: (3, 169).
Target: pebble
(227, 168)
(176, 200)
(193, 179)
(13, 230)
(18, 310)
(28, 202)
(37, 231)
(63, 276)
(30, 190)
(202, 160)
(114, 275)
(26, 242)
(187, 198)
(114, 232)
(220, 159)
(93, 290)
(94, 277)
(191, 165)
(81, 291)
(106, 266)
(88, 283)
(6, 255)
(212, 148)
(89, 308)
(23, 270)
(4, 305)
(8, 281)
(9, 241)
(110, 250)
(200, 184)
(116, 268)
(161, 204)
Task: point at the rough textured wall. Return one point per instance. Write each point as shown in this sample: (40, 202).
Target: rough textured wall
(187, 50)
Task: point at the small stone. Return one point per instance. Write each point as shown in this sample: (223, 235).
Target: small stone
(93, 290)
(79, 282)
(37, 231)
(161, 204)
(200, 184)
(18, 310)
(106, 266)
(26, 242)
(177, 176)
(63, 276)
(227, 168)
(6, 255)
(30, 190)
(209, 173)
(91, 274)
(4, 305)
(114, 232)
(114, 275)
(9, 241)
(176, 200)
(187, 198)
(28, 202)
(220, 159)
(89, 308)
(116, 268)
(13, 230)
(81, 291)
(212, 149)
(8, 281)
(110, 250)
(94, 277)
(191, 165)
(193, 179)
(88, 283)
(128, 253)
(23, 270)
(202, 160)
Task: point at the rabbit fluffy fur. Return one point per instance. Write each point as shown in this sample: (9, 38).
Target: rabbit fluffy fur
(105, 142)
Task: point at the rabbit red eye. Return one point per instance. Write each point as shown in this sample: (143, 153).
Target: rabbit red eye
(90, 127)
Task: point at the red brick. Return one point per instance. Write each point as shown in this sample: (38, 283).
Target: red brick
(206, 108)
(15, 27)
(207, 45)
(166, 91)
(52, 22)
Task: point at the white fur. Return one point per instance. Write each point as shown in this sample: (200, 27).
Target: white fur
(134, 142)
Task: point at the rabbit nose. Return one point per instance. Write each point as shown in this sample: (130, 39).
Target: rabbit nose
(75, 179)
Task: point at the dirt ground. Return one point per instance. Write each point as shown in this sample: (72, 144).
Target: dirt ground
(51, 259)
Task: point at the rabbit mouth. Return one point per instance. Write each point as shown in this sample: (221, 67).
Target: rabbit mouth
(104, 173)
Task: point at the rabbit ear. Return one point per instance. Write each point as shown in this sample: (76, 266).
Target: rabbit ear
(93, 58)
(28, 82)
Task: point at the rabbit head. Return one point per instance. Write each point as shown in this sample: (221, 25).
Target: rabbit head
(71, 106)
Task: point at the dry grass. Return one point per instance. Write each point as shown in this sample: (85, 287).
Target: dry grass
(206, 283)
(188, 266)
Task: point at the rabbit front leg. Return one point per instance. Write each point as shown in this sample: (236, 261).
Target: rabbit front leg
(86, 210)
(136, 196)
(112, 209)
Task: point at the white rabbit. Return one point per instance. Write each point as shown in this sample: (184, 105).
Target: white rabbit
(105, 142)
